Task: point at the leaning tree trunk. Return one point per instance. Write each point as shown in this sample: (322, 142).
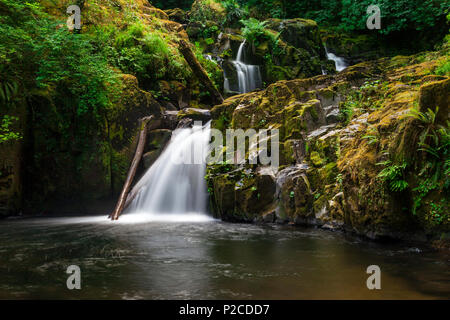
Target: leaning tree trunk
(199, 71)
(132, 172)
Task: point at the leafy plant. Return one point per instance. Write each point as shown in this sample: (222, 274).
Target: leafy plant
(434, 139)
(444, 68)
(254, 31)
(6, 133)
(434, 145)
(234, 12)
(8, 90)
(394, 175)
(372, 136)
(437, 214)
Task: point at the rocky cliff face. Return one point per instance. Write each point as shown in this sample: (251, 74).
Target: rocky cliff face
(338, 134)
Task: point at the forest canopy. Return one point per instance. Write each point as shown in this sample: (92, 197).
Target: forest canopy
(349, 15)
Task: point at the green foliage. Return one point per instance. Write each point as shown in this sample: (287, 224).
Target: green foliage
(422, 190)
(394, 175)
(70, 60)
(207, 10)
(234, 12)
(64, 82)
(266, 8)
(254, 31)
(350, 15)
(211, 66)
(444, 67)
(147, 55)
(438, 215)
(8, 90)
(6, 133)
(223, 122)
(372, 136)
(434, 166)
(367, 98)
(434, 139)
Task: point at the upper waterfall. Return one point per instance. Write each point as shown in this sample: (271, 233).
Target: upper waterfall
(248, 76)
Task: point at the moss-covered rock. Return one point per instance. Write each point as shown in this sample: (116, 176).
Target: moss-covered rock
(436, 95)
(296, 197)
(299, 33)
(337, 133)
(241, 195)
(299, 52)
(157, 139)
(195, 114)
(177, 15)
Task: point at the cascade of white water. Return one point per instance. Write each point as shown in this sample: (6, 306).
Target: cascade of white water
(338, 61)
(249, 76)
(175, 183)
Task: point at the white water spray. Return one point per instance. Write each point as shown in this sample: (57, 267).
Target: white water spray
(338, 61)
(172, 189)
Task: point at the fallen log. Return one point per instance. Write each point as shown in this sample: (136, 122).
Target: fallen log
(121, 203)
(199, 71)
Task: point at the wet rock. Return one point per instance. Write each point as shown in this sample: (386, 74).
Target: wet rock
(195, 114)
(157, 139)
(243, 195)
(170, 120)
(185, 123)
(295, 197)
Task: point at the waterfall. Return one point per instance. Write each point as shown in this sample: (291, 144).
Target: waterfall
(175, 184)
(248, 76)
(338, 61)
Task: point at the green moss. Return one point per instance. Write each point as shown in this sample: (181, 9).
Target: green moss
(316, 159)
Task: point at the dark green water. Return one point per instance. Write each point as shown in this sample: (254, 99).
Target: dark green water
(209, 260)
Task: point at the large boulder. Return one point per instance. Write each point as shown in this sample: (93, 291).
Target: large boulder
(303, 52)
(299, 33)
(242, 195)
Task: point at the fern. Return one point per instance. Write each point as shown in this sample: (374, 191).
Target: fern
(371, 136)
(393, 174)
(8, 90)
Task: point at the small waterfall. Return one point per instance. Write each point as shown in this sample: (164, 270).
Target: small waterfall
(175, 184)
(248, 76)
(338, 61)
